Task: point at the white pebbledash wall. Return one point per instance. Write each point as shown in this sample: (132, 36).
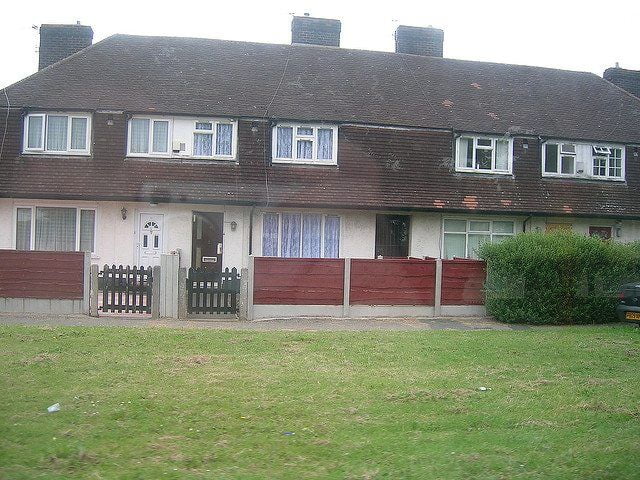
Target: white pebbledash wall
(117, 239)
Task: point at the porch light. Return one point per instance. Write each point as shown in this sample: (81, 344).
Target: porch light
(234, 225)
(123, 212)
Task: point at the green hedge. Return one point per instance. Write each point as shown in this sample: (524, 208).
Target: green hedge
(557, 278)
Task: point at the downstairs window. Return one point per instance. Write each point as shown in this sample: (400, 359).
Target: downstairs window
(308, 235)
(462, 238)
(62, 229)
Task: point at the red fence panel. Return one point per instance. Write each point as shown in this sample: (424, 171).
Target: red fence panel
(463, 282)
(398, 281)
(48, 275)
(298, 281)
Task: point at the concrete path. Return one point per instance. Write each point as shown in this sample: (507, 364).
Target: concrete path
(295, 324)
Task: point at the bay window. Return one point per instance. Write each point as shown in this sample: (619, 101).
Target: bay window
(55, 229)
(314, 144)
(483, 155)
(462, 238)
(57, 133)
(293, 235)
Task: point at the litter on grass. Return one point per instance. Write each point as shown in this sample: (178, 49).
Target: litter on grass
(54, 408)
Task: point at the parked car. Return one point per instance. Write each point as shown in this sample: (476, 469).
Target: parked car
(629, 306)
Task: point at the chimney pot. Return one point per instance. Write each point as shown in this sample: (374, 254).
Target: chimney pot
(426, 41)
(57, 42)
(315, 31)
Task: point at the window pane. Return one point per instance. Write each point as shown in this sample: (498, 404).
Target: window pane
(568, 148)
(325, 144)
(224, 132)
(160, 136)
(483, 159)
(203, 144)
(290, 235)
(305, 131)
(500, 238)
(475, 240)
(331, 237)
(57, 133)
(465, 155)
(311, 235)
(87, 230)
(484, 142)
(55, 229)
(284, 142)
(139, 140)
(78, 134)
(503, 227)
(204, 126)
(305, 149)
(502, 155)
(475, 226)
(551, 158)
(23, 229)
(454, 245)
(455, 225)
(270, 235)
(600, 166)
(567, 163)
(34, 134)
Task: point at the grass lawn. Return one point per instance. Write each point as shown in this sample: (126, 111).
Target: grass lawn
(158, 403)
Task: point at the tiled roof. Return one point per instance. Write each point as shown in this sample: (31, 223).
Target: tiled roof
(303, 82)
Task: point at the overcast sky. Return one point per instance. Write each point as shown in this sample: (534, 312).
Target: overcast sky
(574, 35)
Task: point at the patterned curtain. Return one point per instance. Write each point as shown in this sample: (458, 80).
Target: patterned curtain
(311, 236)
(224, 134)
(331, 237)
(270, 235)
(284, 139)
(325, 144)
(305, 149)
(290, 235)
(202, 144)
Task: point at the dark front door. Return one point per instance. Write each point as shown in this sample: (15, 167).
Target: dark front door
(392, 235)
(206, 241)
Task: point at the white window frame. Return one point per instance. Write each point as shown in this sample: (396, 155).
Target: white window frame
(493, 138)
(43, 140)
(587, 160)
(302, 214)
(32, 235)
(468, 230)
(214, 138)
(605, 152)
(294, 144)
(151, 153)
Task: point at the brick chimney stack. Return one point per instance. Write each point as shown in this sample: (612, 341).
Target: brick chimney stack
(426, 41)
(315, 31)
(60, 41)
(628, 80)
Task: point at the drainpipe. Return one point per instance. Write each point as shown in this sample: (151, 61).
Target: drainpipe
(524, 224)
(251, 230)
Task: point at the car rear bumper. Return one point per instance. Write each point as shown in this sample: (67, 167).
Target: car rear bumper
(622, 311)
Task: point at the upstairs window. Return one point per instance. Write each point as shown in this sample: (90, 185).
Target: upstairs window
(149, 136)
(483, 155)
(213, 139)
(603, 162)
(57, 133)
(315, 144)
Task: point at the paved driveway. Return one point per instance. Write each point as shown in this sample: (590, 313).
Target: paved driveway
(296, 324)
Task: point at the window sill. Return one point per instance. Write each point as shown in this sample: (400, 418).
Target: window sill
(582, 177)
(482, 172)
(181, 157)
(56, 153)
(308, 162)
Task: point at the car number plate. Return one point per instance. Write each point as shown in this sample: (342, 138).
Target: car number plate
(632, 316)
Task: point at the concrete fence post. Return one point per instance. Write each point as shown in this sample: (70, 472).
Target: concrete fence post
(243, 301)
(169, 286)
(250, 279)
(346, 298)
(86, 290)
(93, 301)
(437, 308)
(182, 293)
(155, 292)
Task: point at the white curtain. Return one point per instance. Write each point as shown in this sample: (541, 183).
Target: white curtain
(290, 235)
(224, 133)
(284, 139)
(78, 133)
(87, 230)
(311, 236)
(57, 132)
(325, 144)
(160, 136)
(305, 149)
(34, 135)
(502, 155)
(55, 229)
(331, 237)
(140, 135)
(270, 235)
(202, 144)
(455, 245)
(23, 229)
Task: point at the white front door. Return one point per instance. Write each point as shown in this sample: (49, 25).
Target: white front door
(150, 239)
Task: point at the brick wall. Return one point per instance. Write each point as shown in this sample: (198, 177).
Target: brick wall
(427, 41)
(628, 80)
(315, 31)
(60, 41)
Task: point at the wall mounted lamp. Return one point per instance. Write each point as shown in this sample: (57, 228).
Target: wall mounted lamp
(123, 212)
